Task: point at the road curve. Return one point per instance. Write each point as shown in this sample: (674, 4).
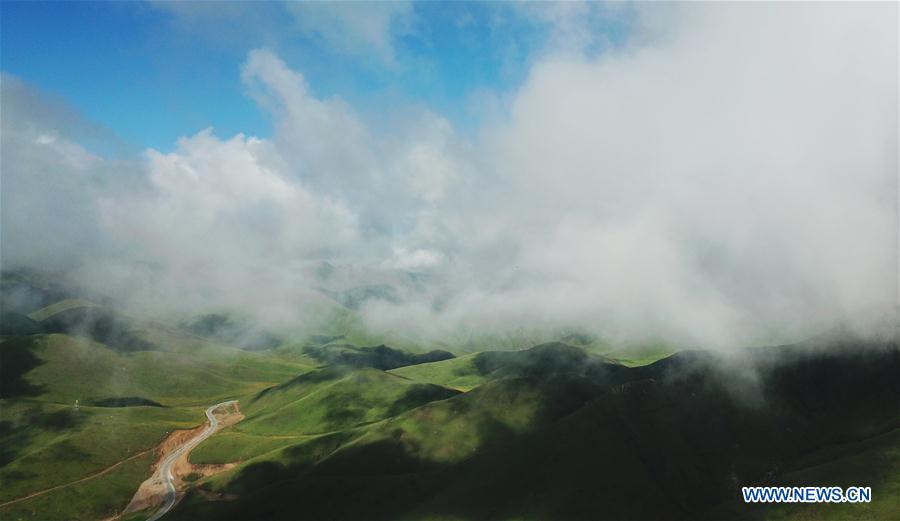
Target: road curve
(165, 468)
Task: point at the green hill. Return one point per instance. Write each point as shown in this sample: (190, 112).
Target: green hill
(170, 378)
(458, 373)
(544, 360)
(335, 398)
(128, 402)
(333, 430)
(573, 440)
(380, 357)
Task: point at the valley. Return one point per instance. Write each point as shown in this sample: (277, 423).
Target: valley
(428, 435)
(449, 261)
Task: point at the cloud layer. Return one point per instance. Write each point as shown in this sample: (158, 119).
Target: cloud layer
(728, 177)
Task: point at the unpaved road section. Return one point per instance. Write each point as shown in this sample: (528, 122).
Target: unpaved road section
(163, 485)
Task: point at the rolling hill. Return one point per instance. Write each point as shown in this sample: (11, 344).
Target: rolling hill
(335, 398)
(132, 381)
(351, 429)
(572, 440)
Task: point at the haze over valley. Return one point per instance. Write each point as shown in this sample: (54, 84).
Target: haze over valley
(402, 260)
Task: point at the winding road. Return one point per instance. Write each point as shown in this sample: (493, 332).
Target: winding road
(165, 468)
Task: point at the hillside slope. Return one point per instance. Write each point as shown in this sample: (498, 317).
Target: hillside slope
(573, 441)
(335, 398)
(77, 406)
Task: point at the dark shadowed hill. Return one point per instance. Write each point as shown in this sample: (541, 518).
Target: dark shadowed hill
(380, 357)
(547, 360)
(12, 323)
(229, 330)
(575, 438)
(98, 324)
(23, 292)
(334, 398)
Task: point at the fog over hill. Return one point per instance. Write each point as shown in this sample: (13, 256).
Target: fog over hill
(728, 176)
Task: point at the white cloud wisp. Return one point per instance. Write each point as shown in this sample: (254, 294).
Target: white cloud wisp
(722, 180)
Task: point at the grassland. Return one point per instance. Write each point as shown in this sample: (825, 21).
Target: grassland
(98, 498)
(457, 373)
(41, 437)
(331, 399)
(45, 374)
(549, 432)
(46, 441)
(872, 462)
(232, 446)
(570, 439)
(169, 377)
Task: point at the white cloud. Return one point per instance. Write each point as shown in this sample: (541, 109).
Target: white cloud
(730, 175)
(415, 260)
(327, 144)
(73, 153)
(222, 222)
(714, 184)
(365, 29)
(50, 183)
(723, 184)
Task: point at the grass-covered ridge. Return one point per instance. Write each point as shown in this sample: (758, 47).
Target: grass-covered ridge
(127, 401)
(469, 371)
(335, 398)
(543, 430)
(379, 357)
(568, 437)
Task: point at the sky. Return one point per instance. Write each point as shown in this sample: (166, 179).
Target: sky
(144, 70)
(714, 174)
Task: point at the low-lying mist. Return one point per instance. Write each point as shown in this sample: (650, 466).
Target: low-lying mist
(727, 177)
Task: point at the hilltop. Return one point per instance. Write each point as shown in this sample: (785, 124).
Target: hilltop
(555, 430)
(569, 437)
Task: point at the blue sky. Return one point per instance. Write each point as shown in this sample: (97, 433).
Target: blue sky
(152, 73)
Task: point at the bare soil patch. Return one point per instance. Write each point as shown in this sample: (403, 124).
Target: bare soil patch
(152, 492)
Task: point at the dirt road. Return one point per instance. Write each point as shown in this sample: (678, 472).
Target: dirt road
(163, 481)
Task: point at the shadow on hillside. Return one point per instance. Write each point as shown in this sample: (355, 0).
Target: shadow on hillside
(548, 360)
(11, 445)
(375, 480)
(349, 408)
(100, 325)
(126, 401)
(15, 436)
(311, 377)
(351, 405)
(16, 360)
(57, 421)
(674, 441)
(419, 394)
(232, 331)
(344, 409)
(379, 357)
